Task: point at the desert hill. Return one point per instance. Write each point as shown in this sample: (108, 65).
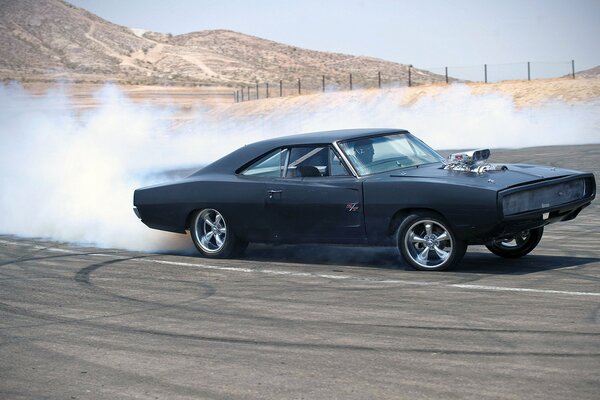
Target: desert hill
(590, 73)
(46, 40)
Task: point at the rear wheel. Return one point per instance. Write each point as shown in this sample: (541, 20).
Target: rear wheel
(427, 242)
(518, 245)
(212, 236)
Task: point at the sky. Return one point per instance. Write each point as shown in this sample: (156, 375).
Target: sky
(430, 34)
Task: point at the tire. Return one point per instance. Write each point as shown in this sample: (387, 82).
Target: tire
(212, 236)
(428, 243)
(517, 246)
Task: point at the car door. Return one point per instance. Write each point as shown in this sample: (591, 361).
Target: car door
(250, 196)
(316, 199)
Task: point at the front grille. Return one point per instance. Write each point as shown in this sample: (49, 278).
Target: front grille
(544, 197)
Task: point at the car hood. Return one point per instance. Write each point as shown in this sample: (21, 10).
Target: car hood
(514, 175)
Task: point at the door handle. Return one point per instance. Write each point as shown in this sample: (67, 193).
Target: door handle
(273, 192)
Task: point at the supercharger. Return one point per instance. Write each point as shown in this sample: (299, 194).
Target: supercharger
(472, 161)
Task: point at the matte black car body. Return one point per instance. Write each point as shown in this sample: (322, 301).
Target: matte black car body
(353, 209)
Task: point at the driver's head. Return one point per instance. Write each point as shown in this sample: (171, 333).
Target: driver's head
(363, 149)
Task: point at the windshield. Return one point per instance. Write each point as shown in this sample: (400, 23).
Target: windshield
(386, 153)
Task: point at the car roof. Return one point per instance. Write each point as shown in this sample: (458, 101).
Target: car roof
(327, 136)
(242, 156)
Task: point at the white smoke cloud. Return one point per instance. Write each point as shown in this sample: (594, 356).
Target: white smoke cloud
(69, 175)
(453, 118)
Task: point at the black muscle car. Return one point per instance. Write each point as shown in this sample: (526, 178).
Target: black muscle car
(368, 187)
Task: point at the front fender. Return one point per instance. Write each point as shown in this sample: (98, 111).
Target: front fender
(465, 208)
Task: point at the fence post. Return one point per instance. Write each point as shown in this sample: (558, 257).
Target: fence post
(485, 72)
(280, 88)
(573, 68)
(299, 87)
(242, 93)
(350, 80)
(248, 87)
(528, 71)
(446, 75)
(234, 97)
(267, 86)
(409, 77)
(323, 83)
(256, 90)
(379, 79)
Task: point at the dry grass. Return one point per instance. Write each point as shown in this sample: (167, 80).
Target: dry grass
(524, 93)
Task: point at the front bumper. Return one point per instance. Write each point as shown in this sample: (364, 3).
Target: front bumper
(509, 225)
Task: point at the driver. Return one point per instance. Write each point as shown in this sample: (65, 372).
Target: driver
(363, 149)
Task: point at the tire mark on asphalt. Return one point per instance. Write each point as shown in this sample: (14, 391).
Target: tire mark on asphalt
(332, 346)
(327, 346)
(577, 275)
(16, 261)
(595, 315)
(57, 320)
(132, 378)
(45, 271)
(83, 277)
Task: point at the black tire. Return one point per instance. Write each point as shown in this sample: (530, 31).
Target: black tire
(212, 236)
(423, 230)
(517, 246)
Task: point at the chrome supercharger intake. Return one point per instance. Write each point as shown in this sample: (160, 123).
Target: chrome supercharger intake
(472, 161)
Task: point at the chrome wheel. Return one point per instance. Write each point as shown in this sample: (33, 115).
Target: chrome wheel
(427, 242)
(515, 242)
(210, 231)
(516, 246)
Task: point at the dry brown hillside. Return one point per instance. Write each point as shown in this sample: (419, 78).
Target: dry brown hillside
(590, 73)
(46, 40)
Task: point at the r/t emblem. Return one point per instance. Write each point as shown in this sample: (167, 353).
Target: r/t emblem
(352, 207)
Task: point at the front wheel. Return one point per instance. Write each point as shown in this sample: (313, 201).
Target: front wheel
(212, 236)
(517, 246)
(427, 242)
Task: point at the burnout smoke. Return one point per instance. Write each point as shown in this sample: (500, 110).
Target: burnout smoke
(69, 175)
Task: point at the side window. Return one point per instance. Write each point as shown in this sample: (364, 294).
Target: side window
(268, 166)
(307, 162)
(314, 162)
(336, 166)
